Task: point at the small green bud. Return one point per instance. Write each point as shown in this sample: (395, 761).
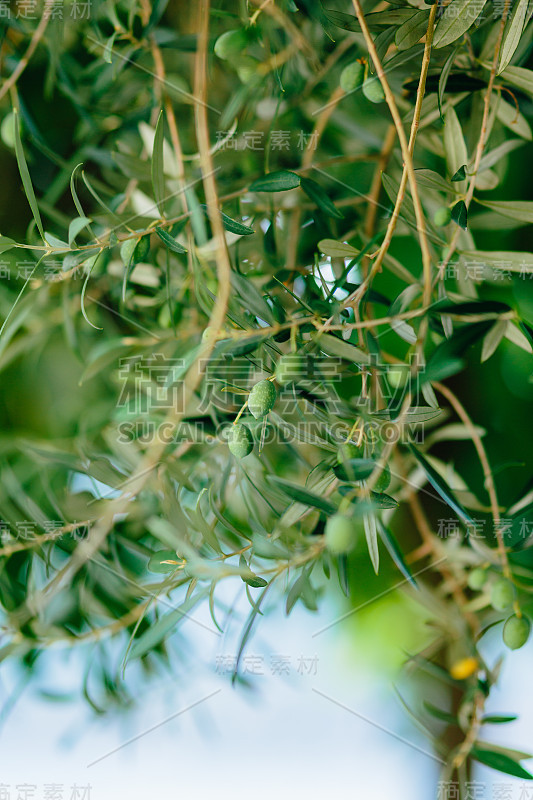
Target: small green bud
(231, 44)
(502, 594)
(240, 440)
(442, 216)
(373, 90)
(261, 399)
(477, 578)
(352, 76)
(340, 534)
(516, 632)
(292, 368)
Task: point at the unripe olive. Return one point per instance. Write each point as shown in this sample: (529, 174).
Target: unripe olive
(340, 534)
(442, 216)
(240, 440)
(261, 399)
(373, 90)
(352, 76)
(349, 450)
(516, 632)
(397, 375)
(7, 130)
(230, 44)
(477, 578)
(292, 368)
(502, 594)
(383, 481)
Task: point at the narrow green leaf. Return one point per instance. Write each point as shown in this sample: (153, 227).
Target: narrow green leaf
(169, 241)
(499, 259)
(443, 79)
(512, 33)
(520, 77)
(76, 225)
(335, 249)
(454, 145)
(334, 346)
(391, 543)
(248, 629)
(252, 298)
(498, 719)
(493, 339)
(25, 175)
(514, 209)
(460, 214)
(371, 534)
(301, 495)
(438, 713)
(317, 194)
(158, 173)
(280, 181)
(456, 19)
(432, 180)
(511, 117)
(494, 156)
(155, 634)
(6, 244)
(108, 49)
(440, 485)
(460, 175)
(163, 561)
(500, 762)
(412, 30)
(232, 225)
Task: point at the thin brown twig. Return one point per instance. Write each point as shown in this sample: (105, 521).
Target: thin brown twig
(482, 141)
(404, 145)
(26, 58)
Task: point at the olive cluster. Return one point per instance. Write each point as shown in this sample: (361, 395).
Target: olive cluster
(342, 530)
(291, 368)
(517, 627)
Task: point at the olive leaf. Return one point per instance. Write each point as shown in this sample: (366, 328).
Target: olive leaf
(456, 19)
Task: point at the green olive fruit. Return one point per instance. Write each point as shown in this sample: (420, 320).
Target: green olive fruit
(261, 399)
(373, 90)
(477, 578)
(231, 44)
(240, 440)
(349, 450)
(7, 130)
(383, 481)
(442, 216)
(292, 368)
(397, 375)
(502, 594)
(340, 534)
(516, 632)
(352, 76)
